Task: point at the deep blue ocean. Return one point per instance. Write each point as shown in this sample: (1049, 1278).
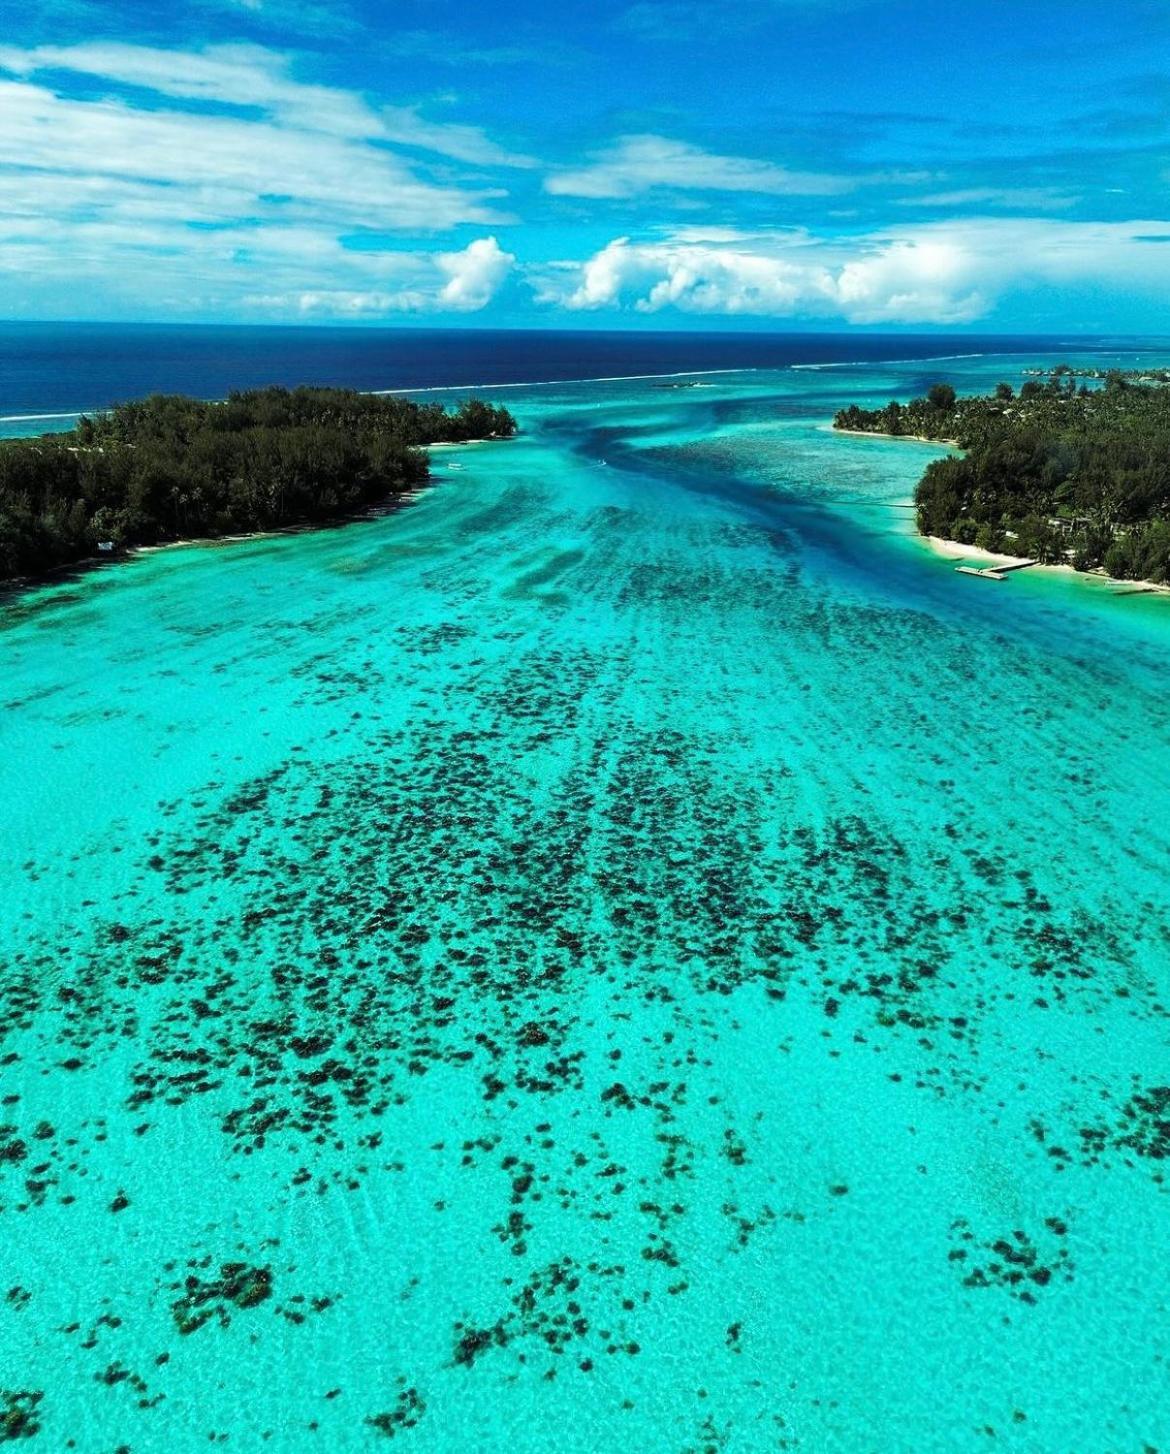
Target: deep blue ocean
(64, 369)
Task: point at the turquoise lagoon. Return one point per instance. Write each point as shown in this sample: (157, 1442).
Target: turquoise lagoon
(629, 951)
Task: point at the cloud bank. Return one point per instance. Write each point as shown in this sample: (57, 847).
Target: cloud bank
(939, 273)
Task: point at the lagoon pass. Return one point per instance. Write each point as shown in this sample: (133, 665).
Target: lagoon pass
(630, 951)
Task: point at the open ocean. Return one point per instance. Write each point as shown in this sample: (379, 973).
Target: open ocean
(51, 372)
(630, 951)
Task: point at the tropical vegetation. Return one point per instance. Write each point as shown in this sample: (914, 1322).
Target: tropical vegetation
(171, 467)
(1059, 471)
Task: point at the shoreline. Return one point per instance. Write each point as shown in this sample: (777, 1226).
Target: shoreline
(880, 434)
(955, 550)
(91, 564)
(304, 527)
(74, 569)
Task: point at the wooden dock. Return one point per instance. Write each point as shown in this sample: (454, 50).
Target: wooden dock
(994, 572)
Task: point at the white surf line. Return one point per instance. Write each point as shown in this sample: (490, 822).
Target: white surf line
(1072, 350)
(401, 389)
(28, 418)
(862, 363)
(855, 363)
(554, 383)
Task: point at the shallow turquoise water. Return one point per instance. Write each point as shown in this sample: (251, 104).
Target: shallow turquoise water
(630, 950)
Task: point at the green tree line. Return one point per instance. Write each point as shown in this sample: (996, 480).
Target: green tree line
(171, 467)
(1056, 471)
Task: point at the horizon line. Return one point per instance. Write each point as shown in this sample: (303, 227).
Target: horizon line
(848, 331)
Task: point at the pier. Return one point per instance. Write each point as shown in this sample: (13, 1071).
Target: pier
(995, 572)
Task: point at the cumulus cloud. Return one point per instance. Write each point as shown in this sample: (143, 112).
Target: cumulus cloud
(637, 164)
(935, 273)
(410, 282)
(474, 275)
(782, 275)
(452, 282)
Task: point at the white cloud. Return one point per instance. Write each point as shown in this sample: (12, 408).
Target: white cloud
(1029, 199)
(236, 75)
(935, 273)
(783, 275)
(339, 180)
(164, 199)
(636, 164)
(463, 143)
(254, 78)
(474, 275)
(282, 272)
(336, 303)
(927, 277)
(409, 282)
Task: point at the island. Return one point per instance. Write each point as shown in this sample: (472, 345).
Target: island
(171, 468)
(1063, 472)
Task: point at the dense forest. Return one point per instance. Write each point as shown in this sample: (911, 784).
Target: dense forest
(170, 467)
(1059, 471)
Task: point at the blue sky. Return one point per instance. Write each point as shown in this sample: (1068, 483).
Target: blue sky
(641, 163)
